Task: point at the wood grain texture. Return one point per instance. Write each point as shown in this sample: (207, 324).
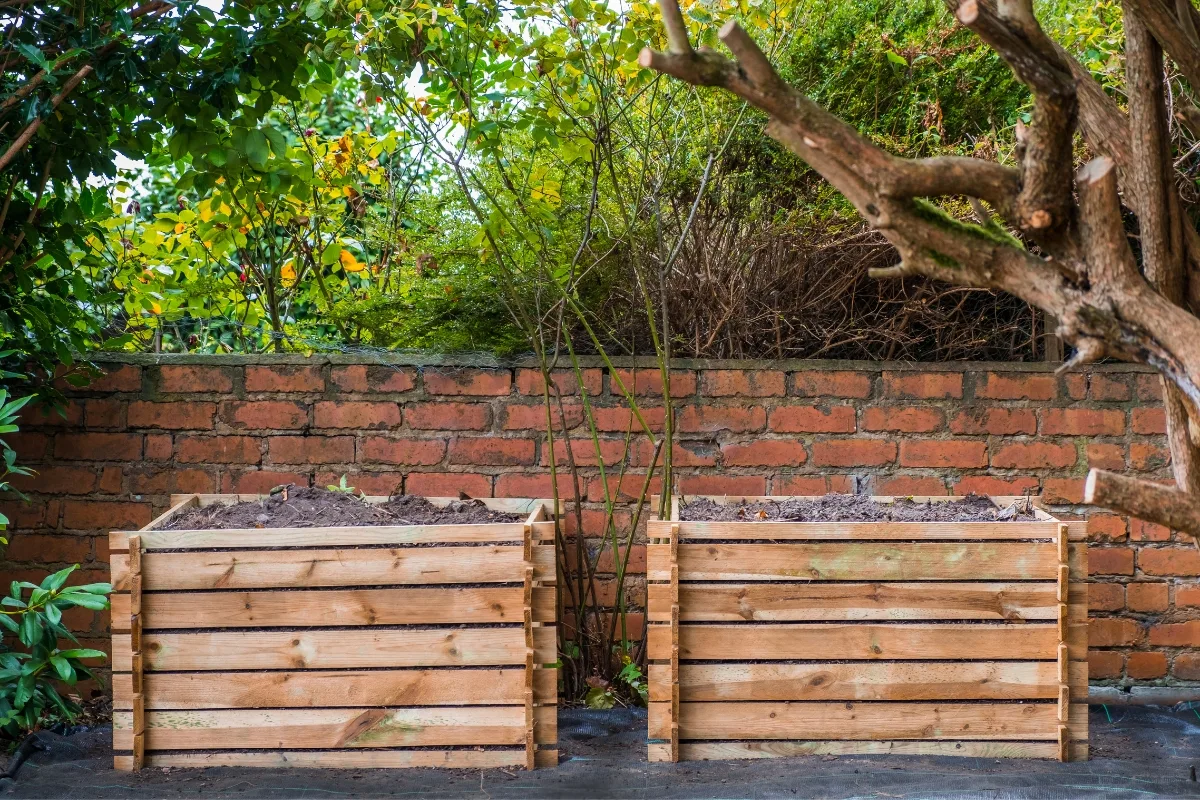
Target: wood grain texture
(796, 602)
(857, 561)
(334, 688)
(707, 751)
(336, 649)
(337, 759)
(858, 531)
(876, 642)
(259, 538)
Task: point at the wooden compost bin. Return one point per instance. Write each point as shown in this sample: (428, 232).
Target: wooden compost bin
(405, 646)
(925, 638)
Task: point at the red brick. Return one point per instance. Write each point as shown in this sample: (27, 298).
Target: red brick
(923, 384)
(1148, 421)
(265, 415)
(448, 416)
(1110, 561)
(1062, 490)
(1035, 455)
(1147, 597)
(533, 417)
(350, 378)
(1106, 597)
(1105, 664)
(530, 381)
(493, 451)
(1142, 531)
(636, 565)
(311, 449)
(194, 378)
(110, 480)
(742, 383)
(57, 480)
(192, 480)
(1148, 457)
(1149, 387)
(1076, 386)
(1172, 561)
(1146, 666)
(1176, 634)
(98, 446)
(764, 453)
(30, 447)
(159, 480)
(36, 415)
(22, 514)
(649, 382)
(805, 485)
(539, 485)
(481, 382)
(259, 481)
(99, 414)
(710, 419)
(416, 452)
(1106, 526)
(831, 384)
(583, 452)
(1082, 422)
(1186, 667)
(117, 378)
(372, 484)
(219, 449)
(986, 484)
(994, 421)
(594, 519)
(285, 378)
(447, 484)
(1016, 386)
(813, 419)
(48, 549)
(98, 515)
(357, 415)
(910, 486)
(943, 453)
(627, 487)
(1106, 456)
(1187, 596)
(177, 415)
(684, 453)
(384, 378)
(751, 485)
(909, 419)
(854, 452)
(1112, 632)
(159, 447)
(1109, 387)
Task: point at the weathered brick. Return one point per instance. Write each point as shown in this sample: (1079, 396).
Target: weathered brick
(810, 485)
(1113, 387)
(1186, 667)
(112, 515)
(349, 378)
(384, 378)
(1016, 386)
(285, 378)
(1167, 561)
(259, 481)
(414, 452)
(1176, 634)
(98, 446)
(372, 484)
(910, 486)
(310, 449)
(684, 453)
(110, 480)
(583, 452)
(1105, 664)
(1187, 595)
(853, 452)
(1106, 597)
(1146, 666)
(1103, 455)
(53, 549)
(29, 446)
(1082, 422)
(1147, 597)
(104, 413)
(742, 383)
(1142, 531)
(1112, 632)
(994, 421)
(621, 488)
(476, 382)
(519, 484)
(448, 416)
(1148, 457)
(919, 385)
(751, 485)
(491, 450)
(176, 415)
(764, 453)
(710, 419)
(159, 446)
(907, 419)
(1075, 385)
(172, 480)
(265, 415)
(1148, 421)
(447, 484)
(813, 419)
(1062, 490)
(1110, 561)
(987, 484)
(35, 415)
(1149, 388)
(1106, 527)
(117, 378)
(649, 382)
(1034, 455)
(358, 415)
(530, 381)
(961, 453)
(533, 417)
(219, 449)
(57, 480)
(194, 378)
(817, 383)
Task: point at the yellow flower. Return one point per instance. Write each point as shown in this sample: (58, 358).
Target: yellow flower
(288, 273)
(350, 263)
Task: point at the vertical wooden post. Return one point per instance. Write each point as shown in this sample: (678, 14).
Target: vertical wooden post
(1064, 690)
(530, 743)
(135, 639)
(675, 641)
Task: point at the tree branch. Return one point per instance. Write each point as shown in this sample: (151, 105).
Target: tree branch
(1146, 500)
(23, 138)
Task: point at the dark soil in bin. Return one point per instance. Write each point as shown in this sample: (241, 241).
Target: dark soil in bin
(856, 508)
(320, 508)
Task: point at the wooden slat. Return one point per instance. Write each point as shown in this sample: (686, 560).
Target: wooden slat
(857, 561)
(336, 649)
(969, 680)
(708, 751)
(968, 721)
(724, 602)
(259, 538)
(340, 759)
(307, 569)
(336, 607)
(334, 688)
(859, 531)
(863, 641)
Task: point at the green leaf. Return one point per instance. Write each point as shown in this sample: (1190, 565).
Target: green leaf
(8, 622)
(82, 652)
(896, 58)
(55, 582)
(24, 691)
(331, 253)
(256, 148)
(63, 668)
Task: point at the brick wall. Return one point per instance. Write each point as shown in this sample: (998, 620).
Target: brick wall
(153, 427)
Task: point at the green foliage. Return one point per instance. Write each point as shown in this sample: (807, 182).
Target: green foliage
(31, 665)
(9, 409)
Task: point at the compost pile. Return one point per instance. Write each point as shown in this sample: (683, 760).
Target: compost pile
(312, 508)
(856, 508)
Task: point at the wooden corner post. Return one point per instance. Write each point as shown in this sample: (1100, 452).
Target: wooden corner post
(1064, 690)
(530, 742)
(675, 641)
(135, 643)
